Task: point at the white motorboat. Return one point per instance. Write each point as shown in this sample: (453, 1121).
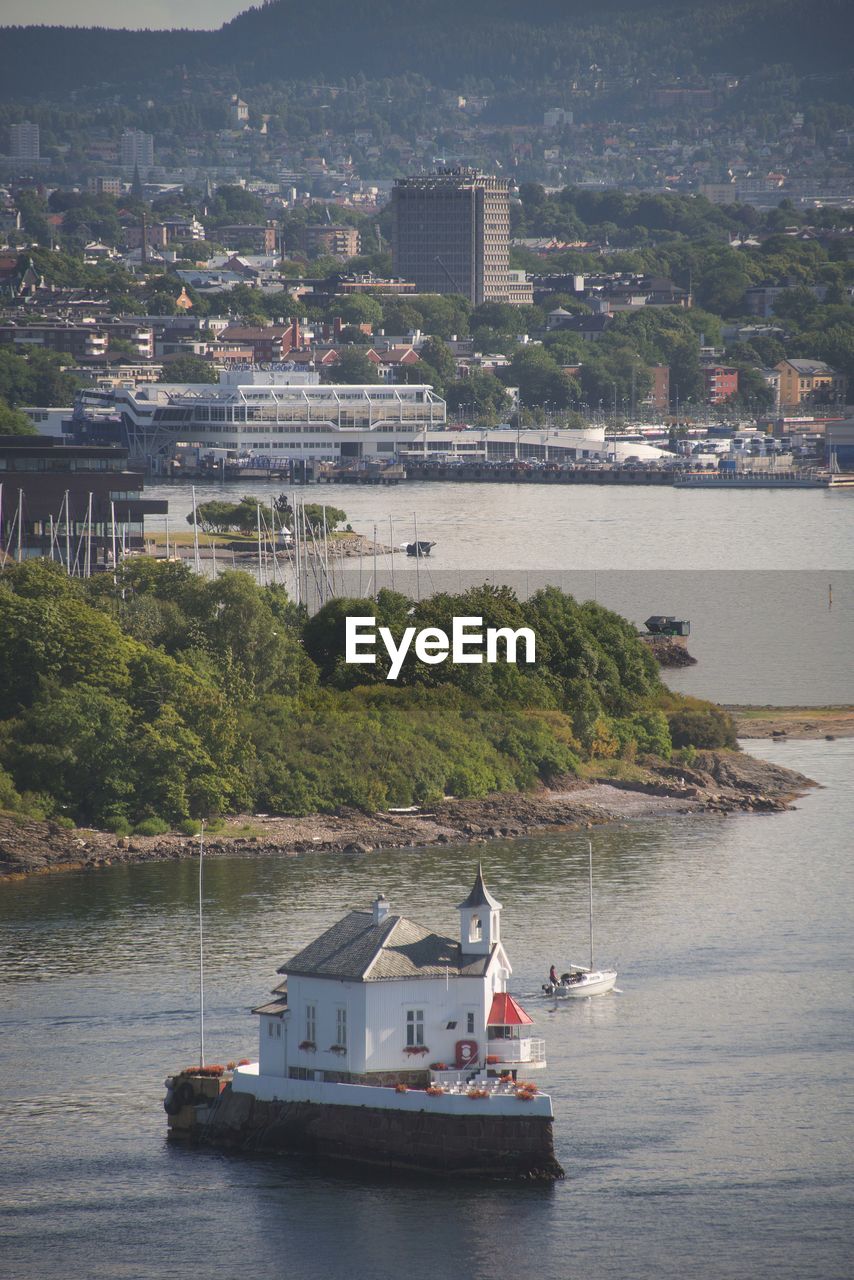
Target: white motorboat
(580, 982)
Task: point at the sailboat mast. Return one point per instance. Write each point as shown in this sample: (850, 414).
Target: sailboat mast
(590, 896)
(67, 537)
(19, 553)
(201, 947)
(88, 561)
(196, 564)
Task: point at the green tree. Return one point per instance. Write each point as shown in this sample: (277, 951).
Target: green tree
(72, 745)
(539, 378)
(358, 309)
(190, 368)
(480, 396)
(438, 355)
(352, 367)
(15, 423)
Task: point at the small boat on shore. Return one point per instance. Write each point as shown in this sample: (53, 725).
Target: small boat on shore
(580, 981)
(418, 548)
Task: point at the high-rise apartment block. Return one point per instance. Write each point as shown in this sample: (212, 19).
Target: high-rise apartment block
(137, 150)
(452, 234)
(24, 141)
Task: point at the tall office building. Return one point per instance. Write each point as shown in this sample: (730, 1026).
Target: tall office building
(137, 150)
(452, 234)
(24, 139)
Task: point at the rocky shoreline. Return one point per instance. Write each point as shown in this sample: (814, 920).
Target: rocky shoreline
(723, 782)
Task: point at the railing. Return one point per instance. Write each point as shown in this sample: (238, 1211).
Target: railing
(528, 1050)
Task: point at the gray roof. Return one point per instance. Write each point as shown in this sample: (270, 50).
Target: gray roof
(277, 1007)
(810, 366)
(358, 950)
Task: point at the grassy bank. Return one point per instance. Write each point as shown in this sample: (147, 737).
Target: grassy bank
(793, 722)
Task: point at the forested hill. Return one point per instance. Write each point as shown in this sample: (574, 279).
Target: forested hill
(449, 42)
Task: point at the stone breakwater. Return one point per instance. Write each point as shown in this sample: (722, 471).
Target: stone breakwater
(719, 782)
(485, 1146)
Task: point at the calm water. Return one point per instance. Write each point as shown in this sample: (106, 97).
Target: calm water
(522, 526)
(754, 572)
(704, 1116)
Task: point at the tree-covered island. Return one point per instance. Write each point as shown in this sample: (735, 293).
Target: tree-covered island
(161, 697)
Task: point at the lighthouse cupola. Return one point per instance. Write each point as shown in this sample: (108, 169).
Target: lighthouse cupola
(480, 919)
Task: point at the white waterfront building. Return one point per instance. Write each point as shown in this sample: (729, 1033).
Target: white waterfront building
(378, 1000)
(273, 417)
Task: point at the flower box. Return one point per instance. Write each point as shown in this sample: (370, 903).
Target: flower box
(416, 1050)
(308, 1046)
(478, 1093)
(492, 1058)
(434, 1091)
(438, 1066)
(338, 1048)
(401, 1088)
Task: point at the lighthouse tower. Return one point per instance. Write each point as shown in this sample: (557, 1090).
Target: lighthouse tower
(480, 919)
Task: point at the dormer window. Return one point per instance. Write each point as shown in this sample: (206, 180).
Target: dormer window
(475, 929)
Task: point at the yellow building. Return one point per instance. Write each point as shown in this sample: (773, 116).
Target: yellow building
(810, 382)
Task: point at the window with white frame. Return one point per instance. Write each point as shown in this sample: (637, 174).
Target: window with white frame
(311, 1023)
(414, 1028)
(341, 1027)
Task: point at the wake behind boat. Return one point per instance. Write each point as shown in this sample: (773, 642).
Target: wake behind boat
(579, 982)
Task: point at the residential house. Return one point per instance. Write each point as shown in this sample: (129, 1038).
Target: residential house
(269, 344)
(85, 343)
(244, 235)
(325, 238)
(810, 382)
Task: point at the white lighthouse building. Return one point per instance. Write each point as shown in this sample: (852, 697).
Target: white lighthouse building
(389, 1045)
(380, 1000)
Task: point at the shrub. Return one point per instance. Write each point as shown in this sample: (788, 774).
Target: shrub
(61, 820)
(9, 798)
(118, 825)
(700, 724)
(189, 826)
(36, 805)
(151, 827)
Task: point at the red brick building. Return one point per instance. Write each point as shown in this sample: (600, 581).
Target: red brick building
(720, 383)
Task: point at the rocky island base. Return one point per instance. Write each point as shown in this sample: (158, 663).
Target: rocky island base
(721, 782)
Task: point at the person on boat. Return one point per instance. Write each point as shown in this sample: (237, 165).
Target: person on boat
(553, 978)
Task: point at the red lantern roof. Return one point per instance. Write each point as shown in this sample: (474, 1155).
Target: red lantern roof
(505, 1012)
